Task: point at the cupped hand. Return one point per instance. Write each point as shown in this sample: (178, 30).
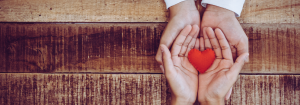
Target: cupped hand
(225, 20)
(182, 14)
(180, 73)
(215, 83)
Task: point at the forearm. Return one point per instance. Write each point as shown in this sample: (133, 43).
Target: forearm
(187, 5)
(235, 6)
(219, 10)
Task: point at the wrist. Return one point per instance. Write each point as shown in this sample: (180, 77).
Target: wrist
(184, 6)
(217, 9)
(180, 101)
(211, 101)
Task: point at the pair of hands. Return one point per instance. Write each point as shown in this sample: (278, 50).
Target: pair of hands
(185, 82)
(183, 14)
(186, 13)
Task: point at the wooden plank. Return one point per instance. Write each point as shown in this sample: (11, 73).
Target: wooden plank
(82, 11)
(254, 11)
(273, 48)
(128, 47)
(80, 47)
(270, 11)
(82, 89)
(18, 88)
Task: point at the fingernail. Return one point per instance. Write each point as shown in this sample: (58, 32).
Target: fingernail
(162, 50)
(247, 58)
(162, 68)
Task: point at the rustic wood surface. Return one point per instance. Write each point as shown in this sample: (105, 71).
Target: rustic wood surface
(80, 47)
(129, 89)
(62, 63)
(273, 48)
(270, 11)
(128, 47)
(254, 11)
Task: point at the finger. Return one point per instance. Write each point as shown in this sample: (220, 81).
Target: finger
(201, 44)
(227, 96)
(177, 45)
(158, 56)
(214, 42)
(185, 44)
(196, 29)
(167, 61)
(194, 33)
(234, 71)
(191, 36)
(243, 47)
(226, 51)
(168, 36)
(207, 44)
(197, 44)
(234, 53)
(162, 68)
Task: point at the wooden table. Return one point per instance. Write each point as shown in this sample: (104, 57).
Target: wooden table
(102, 52)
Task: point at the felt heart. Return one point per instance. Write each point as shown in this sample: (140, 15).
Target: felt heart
(201, 60)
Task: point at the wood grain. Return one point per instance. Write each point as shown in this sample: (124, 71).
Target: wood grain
(128, 48)
(18, 88)
(254, 11)
(82, 11)
(80, 47)
(270, 11)
(273, 48)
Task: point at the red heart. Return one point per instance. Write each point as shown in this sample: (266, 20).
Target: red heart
(201, 60)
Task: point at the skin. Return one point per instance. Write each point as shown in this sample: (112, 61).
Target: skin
(214, 84)
(185, 13)
(225, 20)
(180, 73)
(182, 14)
(223, 73)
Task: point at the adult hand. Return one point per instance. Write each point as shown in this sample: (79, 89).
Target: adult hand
(217, 17)
(180, 73)
(182, 14)
(215, 83)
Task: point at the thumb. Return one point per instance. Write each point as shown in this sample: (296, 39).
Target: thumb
(227, 96)
(170, 33)
(237, 66)
(166, 60)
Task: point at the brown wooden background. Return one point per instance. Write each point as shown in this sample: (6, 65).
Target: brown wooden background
(102, 52)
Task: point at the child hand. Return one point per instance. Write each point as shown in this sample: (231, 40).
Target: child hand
(180, 73)
(217, 81)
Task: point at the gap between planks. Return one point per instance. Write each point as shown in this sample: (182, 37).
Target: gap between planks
(144, 73)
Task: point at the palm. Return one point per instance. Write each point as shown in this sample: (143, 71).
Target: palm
(213, 82)
(186, 76)
(180, 73)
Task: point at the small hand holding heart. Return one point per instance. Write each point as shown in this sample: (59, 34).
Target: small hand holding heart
(215, 64)
(217, 81)
(180, 73)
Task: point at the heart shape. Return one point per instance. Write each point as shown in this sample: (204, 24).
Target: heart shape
(201, 60)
